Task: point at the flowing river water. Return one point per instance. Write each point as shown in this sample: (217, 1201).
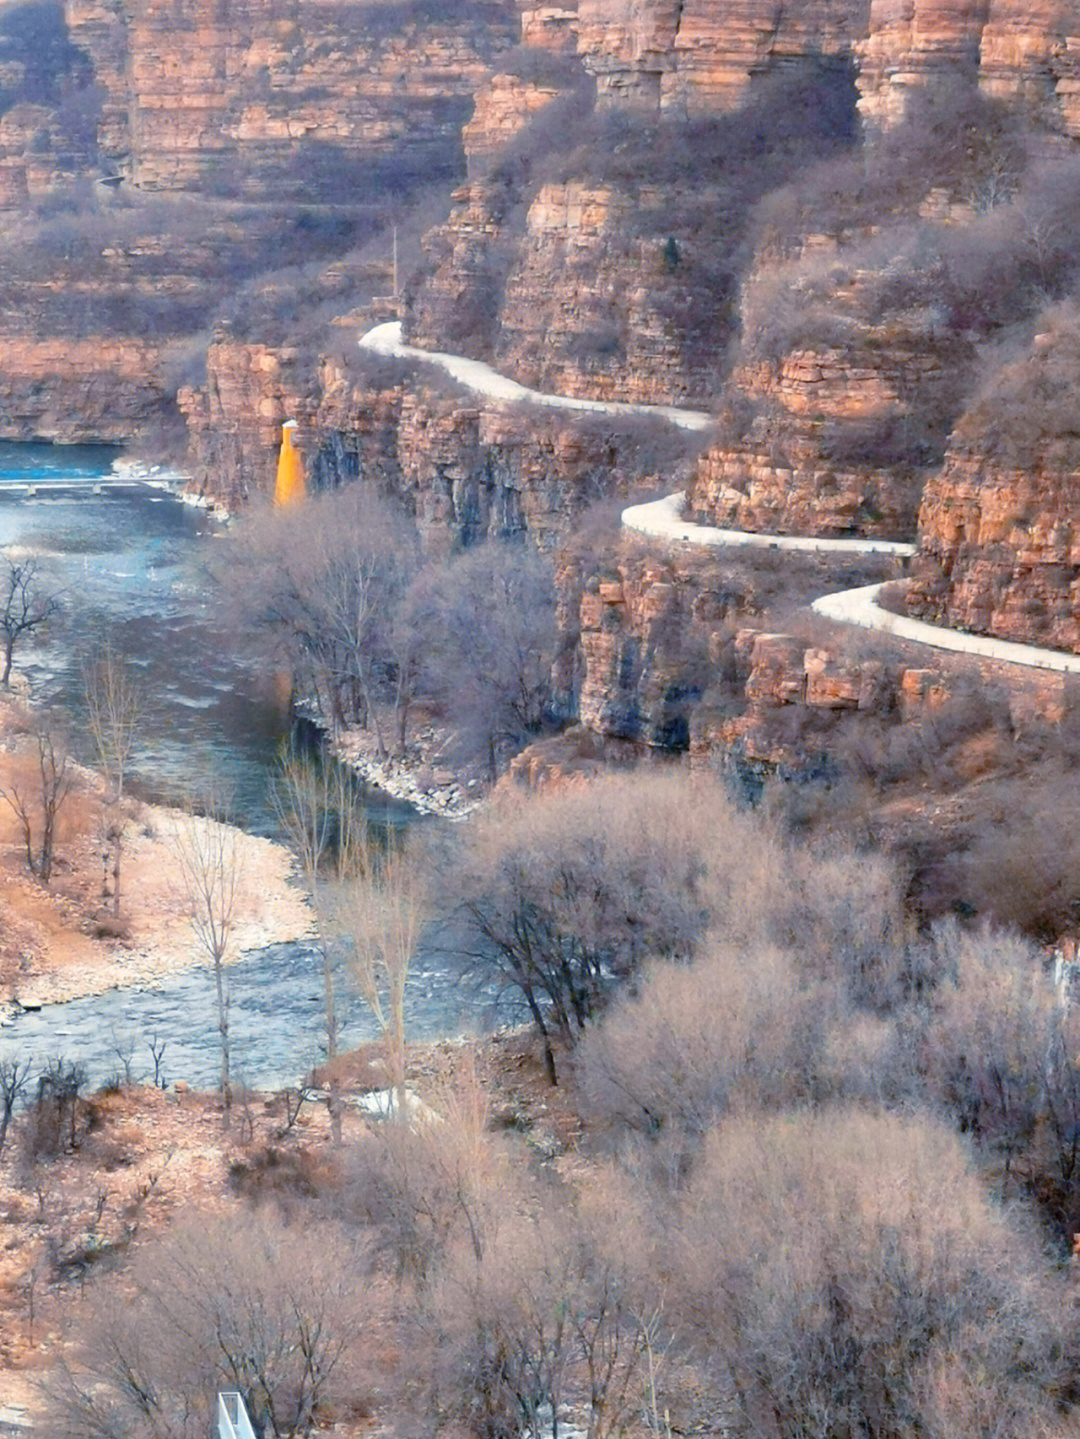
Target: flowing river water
(133, 565)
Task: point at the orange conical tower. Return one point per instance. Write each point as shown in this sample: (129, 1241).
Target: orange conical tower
(290, 488)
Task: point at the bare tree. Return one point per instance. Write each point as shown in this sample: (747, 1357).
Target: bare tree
(209, 872)
(25, 606)
(847, 1273)
(113, 714)
(434, 1189)
(316, 804)
(689, 1042)
(14, 1074)
(989, 1040)
(331, 593)
(566, 894)
(36, 792)
(546, 1322)
(383, 911)
(247, 1303)
(488, 637)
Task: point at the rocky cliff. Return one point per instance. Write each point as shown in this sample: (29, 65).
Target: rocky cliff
(155, 158)
(654, 201)
(275, 99)
(999, 530)
(698, 57)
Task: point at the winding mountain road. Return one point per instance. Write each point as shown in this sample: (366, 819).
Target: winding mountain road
(860, 607)
(483, 380)
(663, 520)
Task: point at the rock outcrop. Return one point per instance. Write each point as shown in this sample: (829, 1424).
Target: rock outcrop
(999, 528)
(308, 115)
(1000, 551)
(271, 99)
(697, 57)
(466, 470)
(827, 427)
(1024, 54)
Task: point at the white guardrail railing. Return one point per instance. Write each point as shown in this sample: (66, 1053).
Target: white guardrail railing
(233, 1421)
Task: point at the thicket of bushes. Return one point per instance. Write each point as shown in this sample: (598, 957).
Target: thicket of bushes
(827, 1179)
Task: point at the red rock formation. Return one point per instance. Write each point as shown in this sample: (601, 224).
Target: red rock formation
(813, 454)
(261, 99)
(999, 528)
(504, 105)
(914, 45)
(696, 57)
(78, 390)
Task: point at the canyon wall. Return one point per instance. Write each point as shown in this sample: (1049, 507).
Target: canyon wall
(270, 99)
(999, 550)
(674, 651)
(697, 57)
(999, 529)
(177, 150)
(467, 470)
(604, 240)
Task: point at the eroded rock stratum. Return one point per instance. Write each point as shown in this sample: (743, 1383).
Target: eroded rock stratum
(821, 219)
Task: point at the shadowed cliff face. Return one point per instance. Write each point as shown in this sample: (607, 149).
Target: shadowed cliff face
(270, 100)
(695, 57)
(698, 57)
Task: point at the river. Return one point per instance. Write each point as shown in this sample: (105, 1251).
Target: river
(133, 567)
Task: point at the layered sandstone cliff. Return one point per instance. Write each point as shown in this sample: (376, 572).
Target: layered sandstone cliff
(316, 115)
(697, 57)
(999, 529)
(265, 100)
(466, 470)
(849, 375)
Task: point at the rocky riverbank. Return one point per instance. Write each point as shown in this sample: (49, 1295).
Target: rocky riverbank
(420, 775)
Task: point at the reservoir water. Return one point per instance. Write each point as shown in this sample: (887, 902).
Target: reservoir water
(133, 565)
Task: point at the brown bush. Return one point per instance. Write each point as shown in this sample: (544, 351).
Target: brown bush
(226, 1302)
(844, 1272)
(735, 1029)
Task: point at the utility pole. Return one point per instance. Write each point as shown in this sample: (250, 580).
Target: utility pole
(395, 264)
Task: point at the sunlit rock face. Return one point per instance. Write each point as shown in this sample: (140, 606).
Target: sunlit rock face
(999, 527)
(696, 57)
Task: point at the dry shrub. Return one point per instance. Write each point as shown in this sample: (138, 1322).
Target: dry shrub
(569, 892)
(840, 1272)
(281, 1173)
(434, 1190)
(1016, 859)
(111, 926)
(840, 911)
(736, 1029)
(244, 1302)
(550, 1322)
(1000, 1055)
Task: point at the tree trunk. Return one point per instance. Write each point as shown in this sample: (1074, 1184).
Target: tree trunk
(223, 1031)
(549, 1053)
(333, 1103)
(116, 868)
